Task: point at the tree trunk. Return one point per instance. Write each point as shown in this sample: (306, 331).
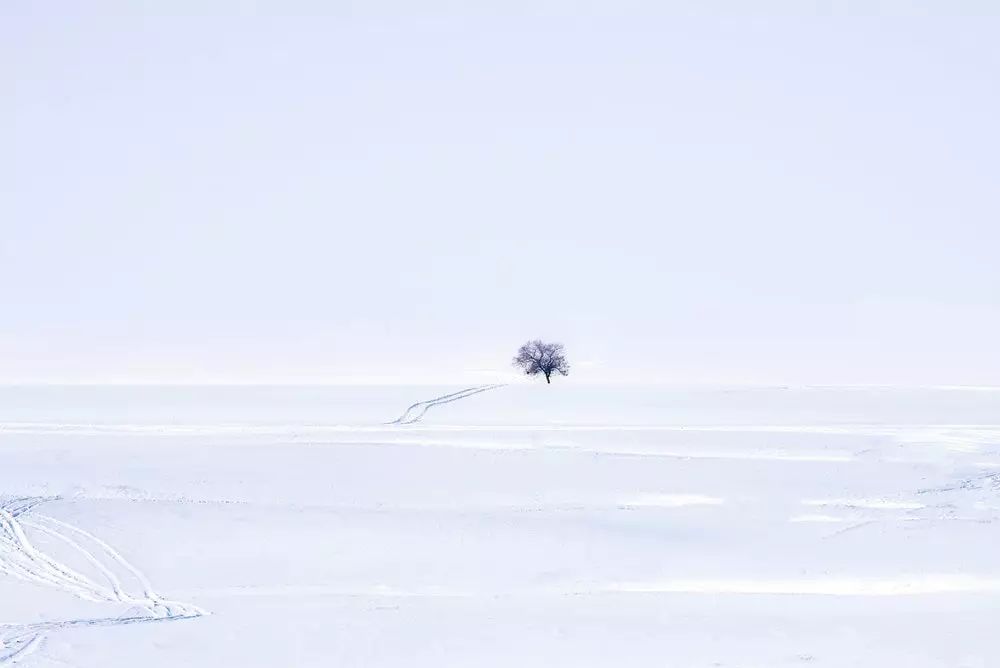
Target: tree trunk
(548, 379)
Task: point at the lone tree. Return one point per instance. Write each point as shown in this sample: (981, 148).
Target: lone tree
(537, 357)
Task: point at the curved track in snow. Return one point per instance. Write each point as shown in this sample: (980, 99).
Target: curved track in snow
(416, 411)
(21, 559)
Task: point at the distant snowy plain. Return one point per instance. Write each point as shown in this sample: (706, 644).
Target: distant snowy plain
(522, 525)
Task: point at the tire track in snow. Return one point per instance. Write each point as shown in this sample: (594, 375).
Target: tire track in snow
(28, 638)
(416, 411)
(21, 559)
(151, 598)
(23, 644)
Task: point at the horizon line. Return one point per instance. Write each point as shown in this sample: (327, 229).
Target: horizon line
(515, 381)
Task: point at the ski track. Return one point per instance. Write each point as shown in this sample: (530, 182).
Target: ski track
(423, 406)
(21, 559)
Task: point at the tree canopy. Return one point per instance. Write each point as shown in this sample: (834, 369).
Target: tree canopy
(537, 356)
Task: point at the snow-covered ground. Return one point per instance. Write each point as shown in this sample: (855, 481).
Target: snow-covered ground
(523, 525)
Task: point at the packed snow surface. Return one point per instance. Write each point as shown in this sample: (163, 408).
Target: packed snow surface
(520, 525)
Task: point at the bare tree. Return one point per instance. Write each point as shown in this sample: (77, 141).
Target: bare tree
(536, 357)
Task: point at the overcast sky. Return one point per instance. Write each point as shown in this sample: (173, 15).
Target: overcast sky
(310, 192)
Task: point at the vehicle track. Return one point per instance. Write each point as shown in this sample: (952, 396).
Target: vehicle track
(417, 411)
(22, 559)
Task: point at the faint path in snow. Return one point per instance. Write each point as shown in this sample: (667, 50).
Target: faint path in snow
(21, 559)
(921, 584)
(419, 409)
(902, 585)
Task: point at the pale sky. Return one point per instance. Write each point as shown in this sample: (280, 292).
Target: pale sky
(331, 191)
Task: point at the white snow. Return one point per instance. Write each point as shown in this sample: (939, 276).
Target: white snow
(874, 504)
(525, 525)
(671, 501)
